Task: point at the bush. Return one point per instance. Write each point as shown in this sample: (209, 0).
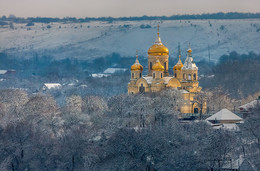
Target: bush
(222, 27)
(30, 24)
(145, 26)
(2, 23)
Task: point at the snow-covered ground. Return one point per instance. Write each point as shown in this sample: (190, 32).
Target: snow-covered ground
(97, 39)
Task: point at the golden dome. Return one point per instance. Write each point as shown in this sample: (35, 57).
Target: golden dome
(158, 66)
(158, 48)
(136, 66)
(179, 65)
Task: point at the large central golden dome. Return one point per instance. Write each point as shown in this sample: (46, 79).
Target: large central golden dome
(158, 48)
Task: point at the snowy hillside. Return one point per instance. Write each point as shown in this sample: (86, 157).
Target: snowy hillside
(97, 39)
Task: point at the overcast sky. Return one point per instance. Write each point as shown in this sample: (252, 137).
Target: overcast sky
(117, 8)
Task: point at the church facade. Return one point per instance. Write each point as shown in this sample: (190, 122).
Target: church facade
(185, 77)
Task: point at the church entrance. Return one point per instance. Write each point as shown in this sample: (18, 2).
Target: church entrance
(196, 110)
(141, 89)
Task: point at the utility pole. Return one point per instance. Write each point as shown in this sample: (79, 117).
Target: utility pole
(179, 49)
(209, 53)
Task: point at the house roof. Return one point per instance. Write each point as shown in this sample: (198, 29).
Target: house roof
(3, 71)
(52, 85)
(249, 105)
(113, 70)
(224, 114)
(247, 165)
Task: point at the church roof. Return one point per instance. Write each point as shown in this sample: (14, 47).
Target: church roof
(189, 63)
(148, 79)
(224, 114)
(167, 79)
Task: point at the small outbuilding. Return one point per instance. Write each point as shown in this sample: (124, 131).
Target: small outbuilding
(224, 116)
(49, 86)
(247, 166)
(248, 108)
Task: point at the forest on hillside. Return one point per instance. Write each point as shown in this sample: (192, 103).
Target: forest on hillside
(137, 132)
(236, 74)
(221, 15)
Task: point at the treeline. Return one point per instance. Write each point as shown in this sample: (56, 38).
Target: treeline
(237, 74)
(72, 73)
(220, 15)
(137, 132)
(46, 66)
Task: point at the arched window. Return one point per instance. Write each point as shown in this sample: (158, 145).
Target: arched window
(153, 75)
(133, 75)
(161, 75)
(194, 76)
(175, 75)
(189, 77)
(165, 66)
(140, 75)
(151, 65)
(184, 76)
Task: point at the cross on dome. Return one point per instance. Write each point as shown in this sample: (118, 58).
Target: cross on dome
(179, 48)
(158, 39)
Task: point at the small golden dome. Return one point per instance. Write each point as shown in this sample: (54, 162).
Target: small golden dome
(179, 65)
(158, 66)
(136, 66)
(189, 50)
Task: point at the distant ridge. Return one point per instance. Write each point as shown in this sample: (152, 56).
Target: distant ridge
(219, 15)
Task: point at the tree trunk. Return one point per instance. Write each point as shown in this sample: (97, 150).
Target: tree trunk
(73, 163)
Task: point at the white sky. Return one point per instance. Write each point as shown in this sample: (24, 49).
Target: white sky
(117, 8)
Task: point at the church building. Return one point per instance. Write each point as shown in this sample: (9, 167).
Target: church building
(185, 77)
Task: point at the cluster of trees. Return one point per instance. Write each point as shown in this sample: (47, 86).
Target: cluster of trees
(220, 15)
(237, 75)
(71, 73)
(137, 132)
(46, 66)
